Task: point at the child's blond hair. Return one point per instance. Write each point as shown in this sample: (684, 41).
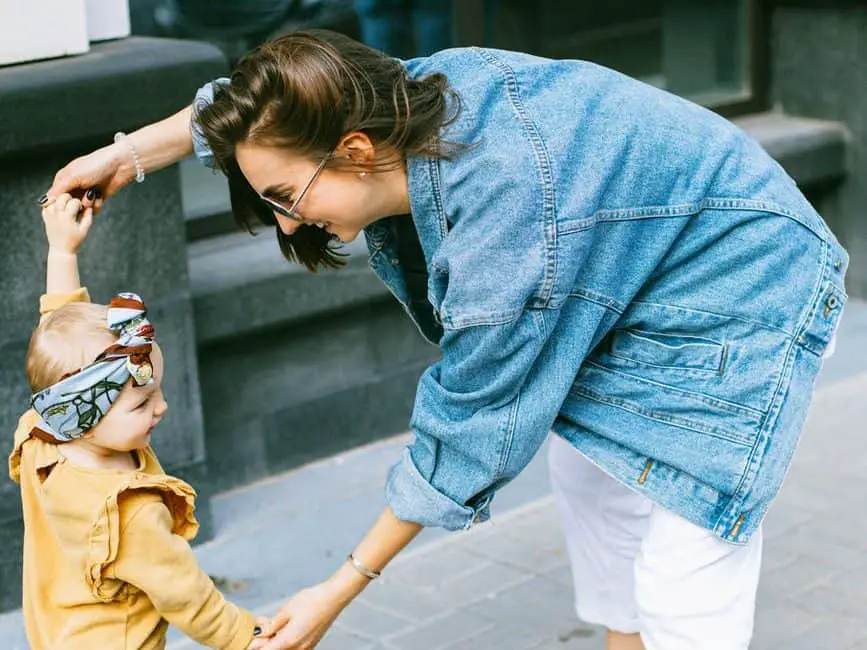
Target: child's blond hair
(65, 340)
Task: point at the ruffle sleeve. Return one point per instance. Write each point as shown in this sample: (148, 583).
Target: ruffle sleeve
(178, 496)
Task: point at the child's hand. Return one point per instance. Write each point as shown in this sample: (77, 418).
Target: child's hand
(66, 225)
(261, 639)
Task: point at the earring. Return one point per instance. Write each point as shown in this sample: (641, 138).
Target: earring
(362, 174)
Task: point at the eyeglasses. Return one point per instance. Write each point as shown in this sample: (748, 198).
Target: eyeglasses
(290, 211)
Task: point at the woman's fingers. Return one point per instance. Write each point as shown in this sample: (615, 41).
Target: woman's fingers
(287, 639)
(91, 196)
(65, 182)
(278, 622)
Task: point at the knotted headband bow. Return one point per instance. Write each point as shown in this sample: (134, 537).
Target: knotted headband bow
(76, 403)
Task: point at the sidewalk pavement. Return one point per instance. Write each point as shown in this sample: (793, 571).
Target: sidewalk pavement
(506, 585)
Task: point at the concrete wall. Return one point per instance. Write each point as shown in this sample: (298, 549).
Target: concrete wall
(53, 111)
(820, 71)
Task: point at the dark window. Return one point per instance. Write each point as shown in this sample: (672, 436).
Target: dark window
(709, 51)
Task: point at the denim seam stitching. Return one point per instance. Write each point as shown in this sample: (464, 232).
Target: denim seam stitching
(543, 166)
(650, 414)
(505, 454)
(599, 299)
(713, 313)
(434, 173)
(715, 402)
(755, 459)
(486, 319)
(684, 210)
(509, 438)
(685, 369)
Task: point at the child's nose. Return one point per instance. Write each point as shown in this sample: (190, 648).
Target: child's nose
(161, 407)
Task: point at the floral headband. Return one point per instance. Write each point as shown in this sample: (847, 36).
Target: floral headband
(76, 403)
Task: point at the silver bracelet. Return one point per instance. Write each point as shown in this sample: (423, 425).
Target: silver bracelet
(139, 169)
(363, 570)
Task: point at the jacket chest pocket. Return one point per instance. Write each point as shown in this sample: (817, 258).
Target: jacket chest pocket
(668, 351)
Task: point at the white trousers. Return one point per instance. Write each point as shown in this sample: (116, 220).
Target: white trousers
(640, 568)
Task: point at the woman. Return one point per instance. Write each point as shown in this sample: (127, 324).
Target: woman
(593, 256)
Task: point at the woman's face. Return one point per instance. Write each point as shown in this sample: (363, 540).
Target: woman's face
(341, 202)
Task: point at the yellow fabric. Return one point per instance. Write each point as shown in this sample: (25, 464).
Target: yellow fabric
(107, 563)
(52, 301)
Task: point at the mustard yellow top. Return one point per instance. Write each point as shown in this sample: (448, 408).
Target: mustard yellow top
(107, 563)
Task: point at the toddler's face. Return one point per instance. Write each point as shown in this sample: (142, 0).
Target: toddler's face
(135, 413)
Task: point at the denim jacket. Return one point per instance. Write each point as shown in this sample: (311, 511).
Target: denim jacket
(618, 265)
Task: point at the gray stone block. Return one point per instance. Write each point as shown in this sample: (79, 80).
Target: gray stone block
(118, 85)
(517, 553)
(442, 631)
(537, 604)
(137, 244)
(815, 53)
(243, 284)
(503, 636)
(340, 639)
(291, 394)
(405, 601)
(372, 623)
(426, 573)
(349, 418)
(11, 537)
(811, 151)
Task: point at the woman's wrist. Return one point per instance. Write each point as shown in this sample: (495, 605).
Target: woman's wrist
(125, 160)
(160, 144)
(346, 583)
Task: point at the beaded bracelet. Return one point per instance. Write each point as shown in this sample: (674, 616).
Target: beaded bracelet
(139, 169)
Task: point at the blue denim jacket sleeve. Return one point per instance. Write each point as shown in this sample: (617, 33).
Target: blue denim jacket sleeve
(204, 97)
(480, 415)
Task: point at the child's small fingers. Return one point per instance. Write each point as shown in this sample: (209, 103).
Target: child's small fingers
(72, 208)
(86, 220)
(59, 203)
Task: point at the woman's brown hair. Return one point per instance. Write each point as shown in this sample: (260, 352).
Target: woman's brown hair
(305, 91)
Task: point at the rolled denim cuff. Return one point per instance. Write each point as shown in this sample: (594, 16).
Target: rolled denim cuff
(204, 97)
(412, 498)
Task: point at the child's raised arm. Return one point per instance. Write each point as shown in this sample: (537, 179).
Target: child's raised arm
(66, 227)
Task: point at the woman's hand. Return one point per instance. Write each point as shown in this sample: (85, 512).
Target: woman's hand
(96, 176)
(304, 619)
(260, 637)
(102, 173)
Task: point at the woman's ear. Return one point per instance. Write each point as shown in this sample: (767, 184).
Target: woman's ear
(357, 148)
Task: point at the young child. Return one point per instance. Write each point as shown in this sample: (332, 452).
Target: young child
(107, 563)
